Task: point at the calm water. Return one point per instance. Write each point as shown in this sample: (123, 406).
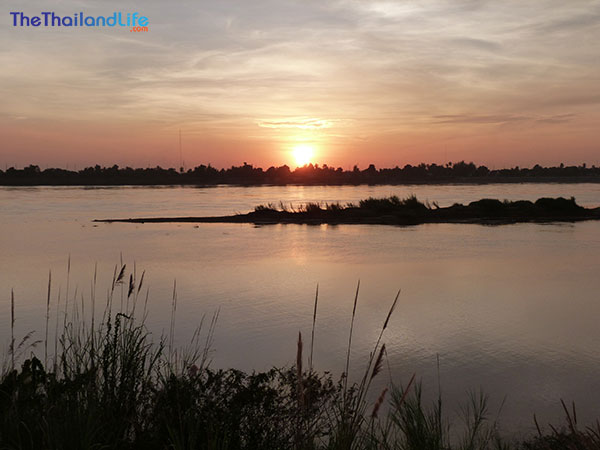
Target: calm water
(512, 309)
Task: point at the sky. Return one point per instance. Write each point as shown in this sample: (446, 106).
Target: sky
(501, 83)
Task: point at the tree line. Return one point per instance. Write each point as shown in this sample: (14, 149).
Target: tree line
(247, 174)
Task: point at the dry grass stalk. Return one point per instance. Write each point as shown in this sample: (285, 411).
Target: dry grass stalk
(12, 329)
(405, 393)
(312, 337)
(347, 368)
(299, 372)
(378, 403)
(378, 363)
(47, 319)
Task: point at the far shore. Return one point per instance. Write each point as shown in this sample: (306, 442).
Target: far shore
(308, 175)
(191, 183)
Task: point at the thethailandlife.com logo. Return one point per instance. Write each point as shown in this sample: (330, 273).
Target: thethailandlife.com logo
(134, 21)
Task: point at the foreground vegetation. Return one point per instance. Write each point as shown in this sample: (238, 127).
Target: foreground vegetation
(409, 211)
(109, 386)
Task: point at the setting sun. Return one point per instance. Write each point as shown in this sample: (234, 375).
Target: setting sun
(303, 154)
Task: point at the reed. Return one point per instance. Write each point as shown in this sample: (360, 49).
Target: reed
(12, 329)
(47, 319)
(312, 333)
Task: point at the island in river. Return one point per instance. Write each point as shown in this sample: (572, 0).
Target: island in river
(395, 211)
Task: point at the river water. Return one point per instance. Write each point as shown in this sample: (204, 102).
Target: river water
(512, 309)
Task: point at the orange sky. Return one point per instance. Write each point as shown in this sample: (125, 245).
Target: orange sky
(385, 82)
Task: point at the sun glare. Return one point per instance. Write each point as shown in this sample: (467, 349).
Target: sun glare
(303, 154)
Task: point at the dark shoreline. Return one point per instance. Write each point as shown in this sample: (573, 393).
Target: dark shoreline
(393, 211)
(309, 175)
(438, 182)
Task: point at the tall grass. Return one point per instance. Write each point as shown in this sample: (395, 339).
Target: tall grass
(386, 204)
(109, 384)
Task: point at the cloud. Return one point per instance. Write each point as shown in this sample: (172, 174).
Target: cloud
(560, 118)
(302, 123)
(478, 44)
(501, 119)
(478, 119)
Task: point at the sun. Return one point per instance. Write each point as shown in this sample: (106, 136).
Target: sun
(303, 154)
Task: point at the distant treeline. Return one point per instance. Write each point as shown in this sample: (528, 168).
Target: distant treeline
(460, 172)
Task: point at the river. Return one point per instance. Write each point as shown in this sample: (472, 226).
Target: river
(512, 309)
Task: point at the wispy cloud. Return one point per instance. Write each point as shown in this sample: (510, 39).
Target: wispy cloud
(483, 119)
(301, 123)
